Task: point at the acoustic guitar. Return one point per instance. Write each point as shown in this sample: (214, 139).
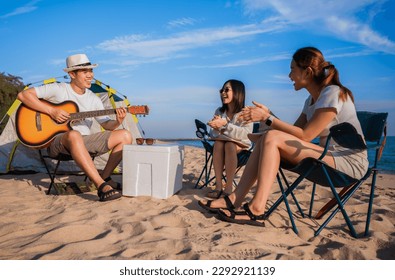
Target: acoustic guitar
(37, 130)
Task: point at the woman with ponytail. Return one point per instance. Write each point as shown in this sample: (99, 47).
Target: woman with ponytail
(329, 103)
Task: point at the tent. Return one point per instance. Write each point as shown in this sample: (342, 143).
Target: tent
(17, 158)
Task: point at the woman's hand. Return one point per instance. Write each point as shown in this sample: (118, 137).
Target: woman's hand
(256, 113)
(217, 122)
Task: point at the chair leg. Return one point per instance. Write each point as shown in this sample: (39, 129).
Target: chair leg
(206, 171)
(51, 176)
(332, 203)
(290, 214)
(368, 214)
(286, 193)
(344, 200)
(312, 199)
(340, 206)
(292, 194)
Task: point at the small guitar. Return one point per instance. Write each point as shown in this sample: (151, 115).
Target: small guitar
(37, 130)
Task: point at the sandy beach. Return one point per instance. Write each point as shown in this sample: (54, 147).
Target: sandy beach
(34, 225)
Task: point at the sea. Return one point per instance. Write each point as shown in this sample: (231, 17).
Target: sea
(386, 163)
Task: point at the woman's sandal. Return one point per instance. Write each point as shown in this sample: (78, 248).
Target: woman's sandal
(253, 221)
(107, 195)
(207, 205)
(113, 184)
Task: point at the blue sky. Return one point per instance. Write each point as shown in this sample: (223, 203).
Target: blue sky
(175, 55)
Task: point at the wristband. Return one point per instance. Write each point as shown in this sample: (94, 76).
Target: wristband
(269, 120)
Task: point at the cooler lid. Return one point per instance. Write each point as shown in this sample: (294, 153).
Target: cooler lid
(157, 148)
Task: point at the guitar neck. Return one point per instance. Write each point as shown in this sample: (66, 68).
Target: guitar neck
(135, 110)
(92, 114)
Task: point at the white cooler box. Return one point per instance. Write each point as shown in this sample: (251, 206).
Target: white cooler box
(152, 170)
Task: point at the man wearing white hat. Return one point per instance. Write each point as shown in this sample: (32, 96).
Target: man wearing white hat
(78, 142)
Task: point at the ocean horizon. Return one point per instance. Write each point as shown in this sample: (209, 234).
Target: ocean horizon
(386, 164)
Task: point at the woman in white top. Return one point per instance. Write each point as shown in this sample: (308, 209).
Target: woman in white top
(230, 135)
(328, 104)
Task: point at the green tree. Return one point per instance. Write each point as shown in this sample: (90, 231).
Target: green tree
(10, 85)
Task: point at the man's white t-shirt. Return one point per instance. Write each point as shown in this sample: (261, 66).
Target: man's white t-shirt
(60, 92)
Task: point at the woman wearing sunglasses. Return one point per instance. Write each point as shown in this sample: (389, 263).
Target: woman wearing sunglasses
(230, 135)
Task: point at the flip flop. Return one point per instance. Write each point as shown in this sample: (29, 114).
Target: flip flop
(113, 184)
(107, 195)
(253, 221)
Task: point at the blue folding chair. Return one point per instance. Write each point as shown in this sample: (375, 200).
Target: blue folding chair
(318, 172)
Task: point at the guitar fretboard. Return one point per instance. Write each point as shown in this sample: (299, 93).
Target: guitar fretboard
(92, 114)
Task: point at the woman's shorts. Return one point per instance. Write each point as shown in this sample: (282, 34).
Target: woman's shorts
(352, 162)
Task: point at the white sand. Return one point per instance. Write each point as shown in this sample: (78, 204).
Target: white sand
(34, 225)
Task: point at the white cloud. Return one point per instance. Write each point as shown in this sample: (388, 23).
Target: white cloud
(337, 17)
(181, 22)
(28, 8)
(244, 62)
(142, 46)
(361, 33)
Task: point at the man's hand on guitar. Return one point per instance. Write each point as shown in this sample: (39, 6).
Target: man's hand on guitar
(59, 115)
(121, 114)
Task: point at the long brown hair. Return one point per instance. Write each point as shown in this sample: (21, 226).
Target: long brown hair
(239, 95)
(325, 73)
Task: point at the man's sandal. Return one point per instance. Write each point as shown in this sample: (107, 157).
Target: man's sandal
(113, 184)
(107, 195)
(254, 220)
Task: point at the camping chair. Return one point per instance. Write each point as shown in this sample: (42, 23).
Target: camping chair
(318, 172)
(53, 173)
(203, 134)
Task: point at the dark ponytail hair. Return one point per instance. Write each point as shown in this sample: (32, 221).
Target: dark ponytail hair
(239, 95)
(324, 72)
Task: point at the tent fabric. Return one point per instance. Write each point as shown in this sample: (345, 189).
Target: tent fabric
(15, 157)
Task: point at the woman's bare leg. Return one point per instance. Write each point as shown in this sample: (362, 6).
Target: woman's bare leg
(277, 145)
(218, 163)
(247, 180)
(231, 150)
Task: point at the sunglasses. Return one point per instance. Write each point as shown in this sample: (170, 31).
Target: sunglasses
(226, 90)
(148, 141)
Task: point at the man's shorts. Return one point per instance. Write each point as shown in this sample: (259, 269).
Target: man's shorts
(95, 144)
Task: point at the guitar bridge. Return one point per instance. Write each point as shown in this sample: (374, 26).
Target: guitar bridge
(38, 121)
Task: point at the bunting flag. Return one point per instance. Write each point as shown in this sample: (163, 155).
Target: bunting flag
(111, 93)
(49, 81)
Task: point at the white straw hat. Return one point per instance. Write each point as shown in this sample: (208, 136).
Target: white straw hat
(78, 61)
